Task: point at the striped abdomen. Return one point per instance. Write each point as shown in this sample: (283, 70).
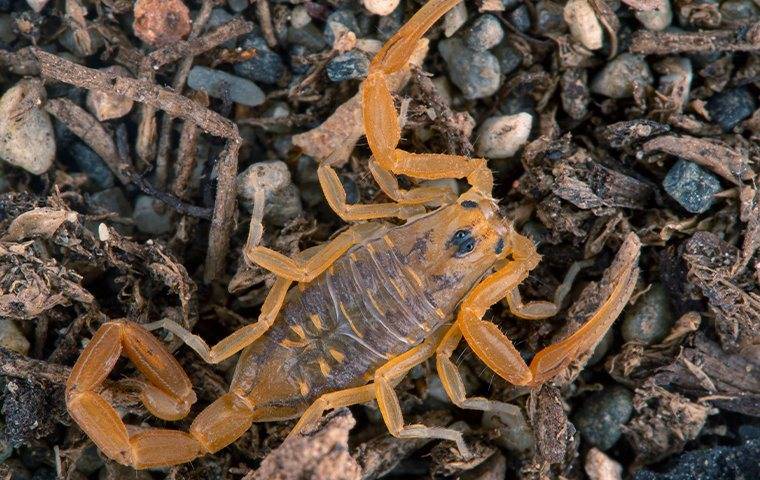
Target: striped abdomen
(332, 333)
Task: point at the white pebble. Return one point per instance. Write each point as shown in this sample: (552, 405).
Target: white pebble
(381, 7)
(26, 133)
(584, 26)
(657, 19)
(12, 338)
(454, 19)
(106, 106)
(501, 137)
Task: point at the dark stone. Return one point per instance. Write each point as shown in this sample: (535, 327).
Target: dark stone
(298, 63)
(219, 84)
(265, 66)
(600, 417)
(691, 186)
(90, 163)
(485, 33)
(730, 107)
(509, 58)
(348, 66)
(309, 36)
(389, 24)
(520, 18)
(549, 17)
(477, 74)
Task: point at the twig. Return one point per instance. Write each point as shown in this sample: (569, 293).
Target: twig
(178, 106)
(265, 20)
(169, 199)
(669, 43)
(186, 154)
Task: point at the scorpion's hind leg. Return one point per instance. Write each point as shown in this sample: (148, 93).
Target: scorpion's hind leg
(387, 376)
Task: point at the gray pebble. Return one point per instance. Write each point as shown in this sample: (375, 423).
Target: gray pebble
(26, 140)
(649, 320)
(112, 200)
(150, 221)
(89, 162)
(691, 186)
(601, 349)
(477, 74)
(351, 65)
(454, 19)
(739, 10)
(520, 18)
(515, 434)
(339, 21)
(484, 33)
(308, 36)
(550, 17)
(509, 58)
(600, 417)
(220, 84)
(730, 107)
(619, 76)
(106, 106)
(237, 6)
(389, 24)
(12, 338)
(283, 201)
(510, 4)
(265, 66)
(7, 33)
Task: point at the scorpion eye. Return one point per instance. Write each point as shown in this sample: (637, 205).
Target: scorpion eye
(459, 235)
(465, 247)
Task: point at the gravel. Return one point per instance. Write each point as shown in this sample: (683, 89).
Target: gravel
(484, 33)
(650, 318)
(600, 417)
(730, 107)
(265, 66)
(26, 139)
(352, 65)
(219, 84)
(477, 74)
(691, 186)
(502, 136)
(90, 163)
(619, 76)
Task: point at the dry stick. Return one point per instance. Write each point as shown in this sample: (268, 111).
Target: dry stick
(667, 43)
(265, 20)
(177, 106)
(188, 141)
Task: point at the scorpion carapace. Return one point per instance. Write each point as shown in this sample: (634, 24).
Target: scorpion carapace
(369, 305)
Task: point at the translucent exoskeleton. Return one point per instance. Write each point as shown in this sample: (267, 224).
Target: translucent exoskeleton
(371, 304)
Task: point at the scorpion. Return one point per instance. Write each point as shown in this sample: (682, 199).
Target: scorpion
(368, 306)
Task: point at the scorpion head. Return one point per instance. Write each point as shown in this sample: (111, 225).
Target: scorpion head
(457, 245)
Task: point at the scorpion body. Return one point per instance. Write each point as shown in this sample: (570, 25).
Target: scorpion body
(368, 306)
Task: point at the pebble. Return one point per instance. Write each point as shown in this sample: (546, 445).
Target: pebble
(484, 33)
(265, 66)
(502, 136)
(584, 26)
(619, 76)
(351, 65)
(509, 58)
(515, 434)
(691, 186)
(105, 106)
(380, 7)
(308, 35)
(219, 16)
(389, 24)
(339, 21)
(161, 22)
(657, 19)
(549, 17)
(12, 338)
(112, 200)
(7, 33)
(730, 107)
(738, 10)
(37, 5)
(220, 84)
(26, 140)
(649, 320)
(89, 162)
(237, 6)
(477, 74)
(90, 461)
(601, 349)
(454, 19)
(520, 18)
(81, 49)
(150, 221)
(600, 417)
(283, 201)
(599, 466)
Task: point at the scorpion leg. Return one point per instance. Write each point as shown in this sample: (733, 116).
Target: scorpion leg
(387, 376)
(498, 352)
(341, 398)
(239, 339)
(428, 195)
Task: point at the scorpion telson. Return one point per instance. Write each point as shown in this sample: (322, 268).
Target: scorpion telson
(371, 304)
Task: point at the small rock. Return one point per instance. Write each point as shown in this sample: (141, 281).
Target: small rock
(90, 163)
(502, 136)
(81, 49)
(619, 76)
(7, 33)
(380, 7)
(112, 200)
(37, 5)
(454, 19)
(477, 74)
(509, 58)
(650, 318)
(237, 6)
(657, 19)
(599, 466)
(161, 22)
(265, 66)
(220, 84)
(584, 26)
(484, 33)
(600, 417)
(12, 338)
(520, 18)
(601, 349)
(550, 17)
(90, 461)
(150, 221)
(738, 10)
(351, 65)
(339, 21)
(283, 201)
(219, 16)
(308, 35)
(389, 24)
(105, 106)
(26, 132)
(730, 107)
(515, 434)
(691, 186)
